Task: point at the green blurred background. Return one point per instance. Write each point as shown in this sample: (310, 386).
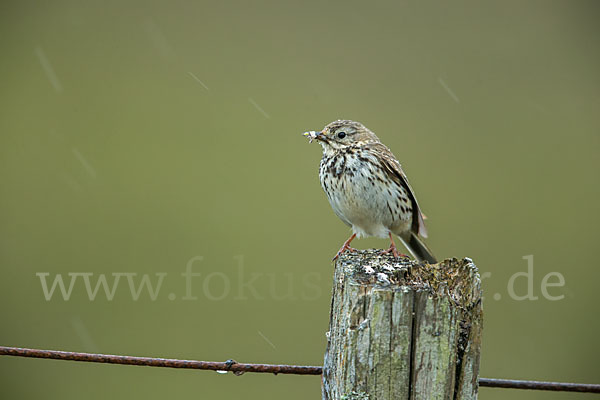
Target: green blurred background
(136, 136)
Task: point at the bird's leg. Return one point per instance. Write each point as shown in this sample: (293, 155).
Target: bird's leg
(345, 247)
(393, 248)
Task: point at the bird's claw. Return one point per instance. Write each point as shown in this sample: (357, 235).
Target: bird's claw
(343, 250)
(345, 247)
(394, 251)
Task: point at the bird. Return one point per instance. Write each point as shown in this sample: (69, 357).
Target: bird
(368, 190)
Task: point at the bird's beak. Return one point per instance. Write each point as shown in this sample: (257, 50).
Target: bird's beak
(314, 135)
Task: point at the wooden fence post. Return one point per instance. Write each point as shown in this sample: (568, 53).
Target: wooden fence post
(401, 330)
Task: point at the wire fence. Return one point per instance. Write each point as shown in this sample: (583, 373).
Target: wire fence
(241, 368)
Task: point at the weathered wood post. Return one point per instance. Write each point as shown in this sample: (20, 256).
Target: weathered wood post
(402, 330)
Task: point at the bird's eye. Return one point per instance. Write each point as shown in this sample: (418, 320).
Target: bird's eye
(341, 135)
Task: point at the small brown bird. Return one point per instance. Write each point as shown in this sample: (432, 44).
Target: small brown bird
(367, 188)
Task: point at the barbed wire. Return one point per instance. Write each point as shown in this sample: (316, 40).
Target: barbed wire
(229, 365)
(241, 368)
(540, 385)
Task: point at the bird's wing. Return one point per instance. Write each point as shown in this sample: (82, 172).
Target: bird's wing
(392, 167)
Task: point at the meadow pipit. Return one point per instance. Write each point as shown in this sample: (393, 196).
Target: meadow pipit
(367, 188)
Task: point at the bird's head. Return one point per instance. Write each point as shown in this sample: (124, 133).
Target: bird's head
(341, 134)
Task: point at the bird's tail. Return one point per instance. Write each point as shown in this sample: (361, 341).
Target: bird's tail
(418, 249)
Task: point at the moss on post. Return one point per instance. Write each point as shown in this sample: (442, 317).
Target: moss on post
(403, 330)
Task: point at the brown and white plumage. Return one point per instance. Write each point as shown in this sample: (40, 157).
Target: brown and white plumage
(367, 188)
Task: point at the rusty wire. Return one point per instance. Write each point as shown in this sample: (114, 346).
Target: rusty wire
(240, 368)
(229, 365)
(540, 385)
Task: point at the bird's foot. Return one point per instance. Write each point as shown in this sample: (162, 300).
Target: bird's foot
(393, 250)
(345, 247)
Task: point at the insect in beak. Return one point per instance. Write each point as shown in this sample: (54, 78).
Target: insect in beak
(314, 135)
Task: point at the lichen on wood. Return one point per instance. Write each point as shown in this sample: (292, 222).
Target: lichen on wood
(400, 329)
